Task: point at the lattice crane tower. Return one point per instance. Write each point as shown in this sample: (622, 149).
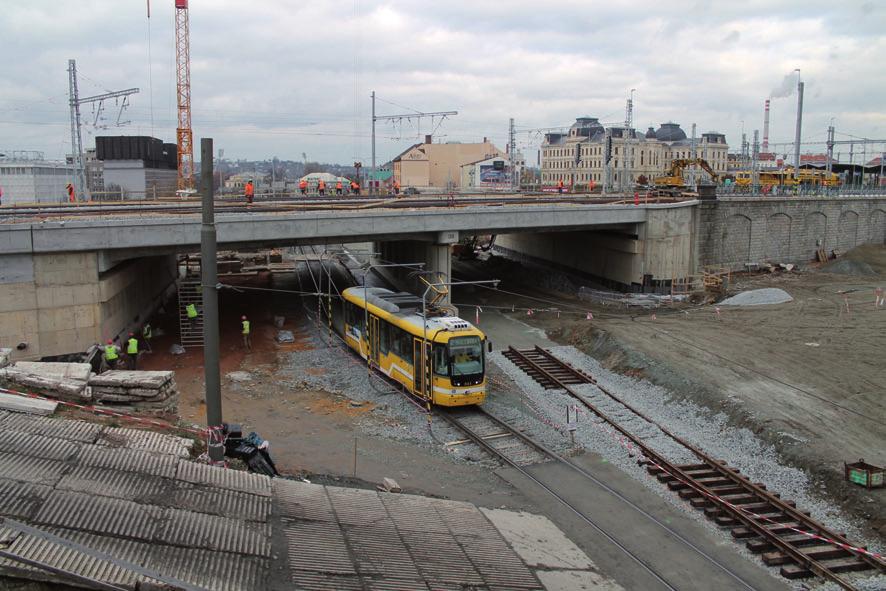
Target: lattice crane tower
(183, 133)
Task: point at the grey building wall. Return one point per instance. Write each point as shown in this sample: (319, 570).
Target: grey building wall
(735, 231)
(138, 181)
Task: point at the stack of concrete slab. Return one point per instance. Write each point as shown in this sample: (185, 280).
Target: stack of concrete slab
(65, 381)
(5, 355)
(153, 391)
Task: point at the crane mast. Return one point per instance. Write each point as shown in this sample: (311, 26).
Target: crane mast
(184, 135)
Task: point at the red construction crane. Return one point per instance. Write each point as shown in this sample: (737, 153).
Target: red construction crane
(183, 133)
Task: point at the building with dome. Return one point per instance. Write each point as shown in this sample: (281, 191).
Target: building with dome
(577, 156)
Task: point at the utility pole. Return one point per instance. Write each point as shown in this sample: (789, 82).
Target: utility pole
(755, 156)
(830, 165)
(372, 188)
(607, 158)
(76, 138)
(629, 123)
(209, 272)
(512, 149)
(692, 155)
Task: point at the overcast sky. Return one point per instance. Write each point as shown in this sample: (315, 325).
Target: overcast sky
(283, 77)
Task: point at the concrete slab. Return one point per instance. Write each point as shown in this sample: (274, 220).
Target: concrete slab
(70, 371)
(33, 406)
(576, 580)
(538, 541)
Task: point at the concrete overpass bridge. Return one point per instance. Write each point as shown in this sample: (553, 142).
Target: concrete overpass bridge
(77, 277)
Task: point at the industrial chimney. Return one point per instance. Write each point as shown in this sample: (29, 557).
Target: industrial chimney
(799, 127)
(765, 146)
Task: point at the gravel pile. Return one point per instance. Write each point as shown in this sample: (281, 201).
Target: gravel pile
(850, 267)
(758, 297)
(740, 448)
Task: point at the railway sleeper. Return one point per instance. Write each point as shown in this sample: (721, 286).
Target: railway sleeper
(758, 545)
(842, 565)
(820, 552)
(677, 485)
(689, 468)
(736, 499)
(762, 510)
(670, 478)
(726, 489)
(743, 533)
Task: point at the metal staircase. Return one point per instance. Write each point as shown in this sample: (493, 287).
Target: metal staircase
(190, 292)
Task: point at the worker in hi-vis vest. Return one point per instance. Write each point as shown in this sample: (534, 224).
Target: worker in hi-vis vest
(146, 336)
(132, 351)
(110, 355)
(247, 337)
(191, 310)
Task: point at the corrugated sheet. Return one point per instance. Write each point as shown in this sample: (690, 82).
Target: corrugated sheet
(378, 550)
(357, 507)
(7, 535)
(498, 564)
(27, 469)
(21, 500)
(211, 570)
(317, 546)
(413, 513)
(99, 515)
(314, 581)
(54, 427)
(227, 503)
(467, 520)
(188, 528)
(38, 446)
(129, 460)
(222, 478)
(61, 556)
(4, 415)
(145, 440)
(393, 584)
(302, 500)
(440, 558)
(114, 483)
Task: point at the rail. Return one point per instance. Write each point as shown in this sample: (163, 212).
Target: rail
(550, 371)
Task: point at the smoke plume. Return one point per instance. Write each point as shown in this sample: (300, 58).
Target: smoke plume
(786, 88)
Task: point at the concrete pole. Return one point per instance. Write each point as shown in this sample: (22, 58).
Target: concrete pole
(830, 148)
(209, 270)
(372, 189)
(799, 127)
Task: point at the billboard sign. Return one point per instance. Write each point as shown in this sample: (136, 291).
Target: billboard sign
(490, 175)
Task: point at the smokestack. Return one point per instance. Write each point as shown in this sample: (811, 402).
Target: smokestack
(799, 126)
(766, 126)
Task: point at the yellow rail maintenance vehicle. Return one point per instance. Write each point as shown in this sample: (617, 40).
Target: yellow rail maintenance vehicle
(437, 357)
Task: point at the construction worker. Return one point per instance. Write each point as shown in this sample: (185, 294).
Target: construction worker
(338, 187)
(250, 192)
(146, 336)
(72, 197)
(110, 355)
(191, 310)
(303, 186)
(355, 187)
(321, 187)
(396, 188)
(247, 338)
(560, 186)
(132, 351)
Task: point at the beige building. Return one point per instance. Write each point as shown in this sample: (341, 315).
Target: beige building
(431, 165)
(577, 156)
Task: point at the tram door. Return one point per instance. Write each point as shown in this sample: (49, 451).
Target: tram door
(373, 338)
(421, 387)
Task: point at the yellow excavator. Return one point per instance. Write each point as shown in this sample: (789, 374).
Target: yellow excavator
(672, 182)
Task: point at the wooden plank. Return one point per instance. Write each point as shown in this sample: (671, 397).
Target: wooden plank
(32, 406)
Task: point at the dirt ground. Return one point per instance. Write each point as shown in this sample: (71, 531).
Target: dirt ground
(808, 376)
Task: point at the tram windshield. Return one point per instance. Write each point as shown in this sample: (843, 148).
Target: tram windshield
(465, 356)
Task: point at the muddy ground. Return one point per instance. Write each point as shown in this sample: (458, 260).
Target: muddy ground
(808, 376)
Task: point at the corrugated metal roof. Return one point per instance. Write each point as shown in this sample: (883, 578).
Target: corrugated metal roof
(440, 558)
(497, 563)
(413, 513)
(145, 440)
(38, 446)
(53, 427)
(211, 570)
(314, 581)
(227, 503)
(357, 507)
(378, 550)
(200, 530)
(101, 515)
(27, 469)
(114, 483)
(129, 460)
(302, 500)
(21, 500)
(221, 478)
(390, 584)
(317, 546)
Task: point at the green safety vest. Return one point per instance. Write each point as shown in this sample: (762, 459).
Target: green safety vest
(192, 311)
(132, 347)
(146, 331)
(245, 327)
(110, 352)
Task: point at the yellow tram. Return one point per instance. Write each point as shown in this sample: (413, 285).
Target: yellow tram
(452, 371)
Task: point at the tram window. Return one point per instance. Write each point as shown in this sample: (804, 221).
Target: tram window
(384, 336)
(441, 362)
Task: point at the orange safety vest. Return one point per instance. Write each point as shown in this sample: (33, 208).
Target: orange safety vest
(303, 185)
(560, 184)
(249, 190)
(321, 185)
(396, 185)
(354, 186)
(71, 197)
(338, 185)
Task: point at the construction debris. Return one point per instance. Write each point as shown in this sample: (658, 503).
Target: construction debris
(864, 474)
(5, 354)
(252, 449)
(138, 390)
(34, 406)
(390, 485)
(285, 336)
(66, 381)
(758, 297)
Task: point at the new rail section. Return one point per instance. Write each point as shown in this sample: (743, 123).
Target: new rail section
(768, 524)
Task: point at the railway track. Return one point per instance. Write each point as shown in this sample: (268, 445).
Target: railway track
(770, 526)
